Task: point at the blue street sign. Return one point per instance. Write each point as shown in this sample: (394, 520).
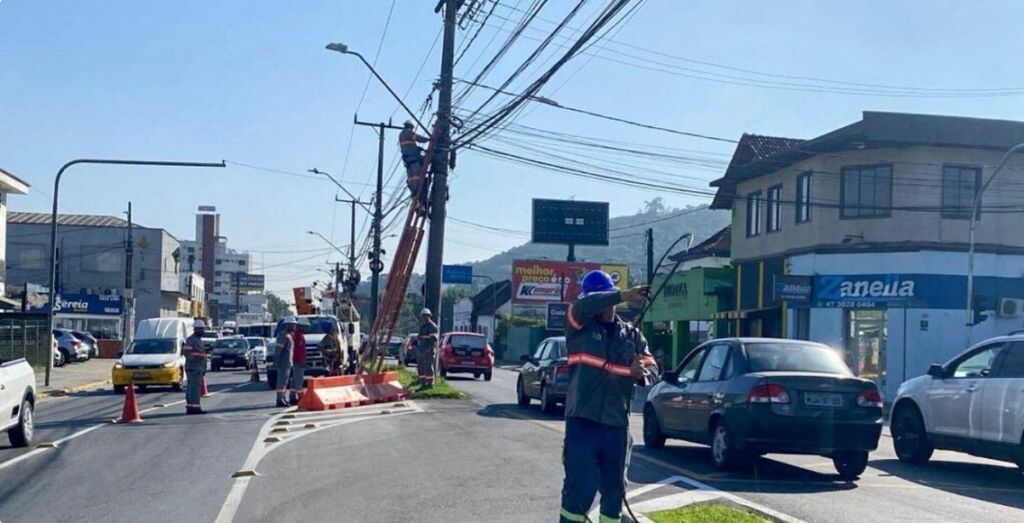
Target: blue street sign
(556, 315)
(457, 274)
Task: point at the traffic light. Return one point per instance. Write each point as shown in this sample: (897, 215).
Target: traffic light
(979, 304)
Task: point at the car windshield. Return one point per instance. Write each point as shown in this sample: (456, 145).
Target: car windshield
(209, 334)
(256, 342)
(795, 357)
(316, 324)
(471, 342)
(152, 347)
(236, 343)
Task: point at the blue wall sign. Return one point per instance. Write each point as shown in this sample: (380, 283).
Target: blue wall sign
(457, 274)
(96, 304)
(928, 291)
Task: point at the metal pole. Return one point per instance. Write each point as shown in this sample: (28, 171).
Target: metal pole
(650, 256)
(129, 287)
(53, 225)
(439, 163)
(352, 246)
(572, 253)
(975, 209)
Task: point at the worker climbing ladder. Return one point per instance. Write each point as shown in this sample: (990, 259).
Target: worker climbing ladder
(372, 357)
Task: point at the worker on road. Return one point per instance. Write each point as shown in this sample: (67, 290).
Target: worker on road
(335, 358)
(298, 387)
(284, 350)
(425, 343)
(195, 367)
(607, 357)
(412, 155)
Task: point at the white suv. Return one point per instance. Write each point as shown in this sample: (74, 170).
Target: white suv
(17, 401)
(973, 404)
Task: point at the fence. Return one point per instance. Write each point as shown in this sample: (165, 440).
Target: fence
(25, 337)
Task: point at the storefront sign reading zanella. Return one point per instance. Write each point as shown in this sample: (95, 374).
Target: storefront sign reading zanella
(863, 290)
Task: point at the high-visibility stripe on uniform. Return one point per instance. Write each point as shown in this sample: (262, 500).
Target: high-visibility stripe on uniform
(571, 318)
(572, 516)
(582, 358)
(609, 519)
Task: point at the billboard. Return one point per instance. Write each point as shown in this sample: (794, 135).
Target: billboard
(539, 282)
(249, 282)
(570, 222)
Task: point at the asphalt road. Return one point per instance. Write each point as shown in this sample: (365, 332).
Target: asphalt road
(484, 459)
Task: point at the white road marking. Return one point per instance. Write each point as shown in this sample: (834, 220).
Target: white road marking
(261, 448)
(40, 450)
(639, 491)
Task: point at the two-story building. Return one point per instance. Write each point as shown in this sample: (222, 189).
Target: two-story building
(858, 238)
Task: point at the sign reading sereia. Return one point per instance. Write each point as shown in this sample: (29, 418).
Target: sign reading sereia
(95, 304)
(538, 282)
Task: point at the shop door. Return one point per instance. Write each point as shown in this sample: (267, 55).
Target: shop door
(865, 344)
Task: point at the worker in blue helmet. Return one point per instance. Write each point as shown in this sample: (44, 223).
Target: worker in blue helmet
(607, 358)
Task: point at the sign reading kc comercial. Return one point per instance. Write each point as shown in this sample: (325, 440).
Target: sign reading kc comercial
(537, 282)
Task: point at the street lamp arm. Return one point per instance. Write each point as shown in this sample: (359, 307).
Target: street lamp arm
(344, 50)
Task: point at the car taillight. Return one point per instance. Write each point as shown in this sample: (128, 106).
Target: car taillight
(562, 369)
(869, 398)
(769, 393)
(488, 351)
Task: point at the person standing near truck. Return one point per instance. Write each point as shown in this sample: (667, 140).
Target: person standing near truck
(195, 367)
(426, 341)
(284, 349)
(298, 387)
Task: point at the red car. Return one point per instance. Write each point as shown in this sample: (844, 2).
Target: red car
(466, 352)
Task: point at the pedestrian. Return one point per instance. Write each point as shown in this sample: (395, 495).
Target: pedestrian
(607, 358)
(426, 341)
(284, 350)
(195, 368)
(335, 358)
(298, 387)
(412, 155)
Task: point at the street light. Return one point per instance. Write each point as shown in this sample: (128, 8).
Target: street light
(340, 186)
(975, 208)
(324, 238)
(343, 49)
(53, 226)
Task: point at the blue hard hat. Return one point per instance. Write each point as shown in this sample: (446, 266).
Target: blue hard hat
(597, 281)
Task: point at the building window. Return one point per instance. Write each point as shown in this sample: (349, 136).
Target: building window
(218, 261)
(803, 198)
(216, 273)
(959, 185)
(191, 249)
(241, 263)
(754, 214)
(774, 208)
(866, 191)
(216, 284)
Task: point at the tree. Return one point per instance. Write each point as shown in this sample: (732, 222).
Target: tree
(655, 206)
(278, 307)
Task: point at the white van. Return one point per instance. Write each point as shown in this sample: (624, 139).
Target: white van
(156, 356)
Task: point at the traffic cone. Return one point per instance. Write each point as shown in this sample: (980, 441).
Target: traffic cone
(255, 377)
(202, 388)
(130, 412)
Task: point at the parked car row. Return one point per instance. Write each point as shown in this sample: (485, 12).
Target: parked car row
(74, 346)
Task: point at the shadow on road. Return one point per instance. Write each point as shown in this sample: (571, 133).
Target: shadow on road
(515, 412)
(1003, 485)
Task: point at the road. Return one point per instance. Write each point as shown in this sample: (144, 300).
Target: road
(483, 459)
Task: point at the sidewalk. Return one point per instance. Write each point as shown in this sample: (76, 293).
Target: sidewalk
(74, 377)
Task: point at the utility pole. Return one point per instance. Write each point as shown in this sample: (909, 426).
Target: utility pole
(376, 265)
(129, 296)
(352, 243)
(238, 297)
(440, 160)
(650, 256)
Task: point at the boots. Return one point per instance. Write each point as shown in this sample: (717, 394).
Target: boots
(194, 410)
(281, 402)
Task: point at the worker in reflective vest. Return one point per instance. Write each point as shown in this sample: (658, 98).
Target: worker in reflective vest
(412, 155)
(195, 367)
(607, 358)
(426, 341)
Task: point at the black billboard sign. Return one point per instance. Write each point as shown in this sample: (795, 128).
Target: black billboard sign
(570, 222)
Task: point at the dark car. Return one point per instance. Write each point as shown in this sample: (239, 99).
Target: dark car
(409, 350)
(752, 396)
(88, 339)
(545, 375)
(229, 352)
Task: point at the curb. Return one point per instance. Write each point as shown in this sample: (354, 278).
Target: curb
(56, 393)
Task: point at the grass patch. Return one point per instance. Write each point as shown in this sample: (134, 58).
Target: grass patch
(705, 514)
(440, 390)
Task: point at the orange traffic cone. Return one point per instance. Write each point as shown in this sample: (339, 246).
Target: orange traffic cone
(130, 412)
(203, 391)
(255, 376)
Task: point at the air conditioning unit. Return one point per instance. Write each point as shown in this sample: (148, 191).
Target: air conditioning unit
(1010, 307)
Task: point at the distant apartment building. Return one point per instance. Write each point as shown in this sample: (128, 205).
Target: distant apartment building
(9, 184)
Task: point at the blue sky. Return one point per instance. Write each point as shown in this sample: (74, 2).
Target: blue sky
(250, 82)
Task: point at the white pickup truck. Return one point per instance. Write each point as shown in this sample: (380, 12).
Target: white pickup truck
(17, 401)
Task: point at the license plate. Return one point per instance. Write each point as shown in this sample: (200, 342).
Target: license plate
(141, 375)
(229, 361)
(468, 362)
(813, 399)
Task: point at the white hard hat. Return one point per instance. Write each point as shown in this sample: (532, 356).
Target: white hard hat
(290, 320)
(425, 312)
(199, 324)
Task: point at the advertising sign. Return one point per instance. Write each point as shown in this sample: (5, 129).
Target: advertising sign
(556, 316)
(793, 288)
(207, 208)
(538, 282)
(457, 274)
(570, 222)
(95, 304)
(249, 282)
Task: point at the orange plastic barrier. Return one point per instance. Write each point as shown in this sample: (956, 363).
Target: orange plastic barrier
(338, 392)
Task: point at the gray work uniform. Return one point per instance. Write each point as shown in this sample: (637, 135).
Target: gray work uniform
(195, 367)
(284, 347)
(426, 341)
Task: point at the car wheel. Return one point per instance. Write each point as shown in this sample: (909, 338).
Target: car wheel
(910, 437)
(142, 388)
(487, 376)
(21, 434)
(476, 375)
(547, 401)
(654, 438)
(522, 399)
(215, 368)
(444, 372)
(118, 389)
(724, 453)
(850, 463)
(177, 387)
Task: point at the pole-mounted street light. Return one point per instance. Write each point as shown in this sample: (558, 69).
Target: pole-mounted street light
(324, 238)
(53, 225)
(343, 49)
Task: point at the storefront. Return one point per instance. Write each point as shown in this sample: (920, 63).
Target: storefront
(98, 314)
(683, 314)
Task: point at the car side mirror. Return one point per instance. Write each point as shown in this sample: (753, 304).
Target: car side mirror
(936, 371)
(670, 376)
(120, 353)
(525, 358)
